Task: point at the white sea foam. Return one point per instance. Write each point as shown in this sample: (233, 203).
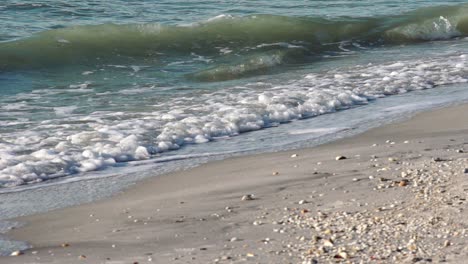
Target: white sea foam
(137, 90)
(82, 143)
(65, 110)
(15, 106)
(219, 17)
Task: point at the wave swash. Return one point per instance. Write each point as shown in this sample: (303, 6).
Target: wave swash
(65, 144)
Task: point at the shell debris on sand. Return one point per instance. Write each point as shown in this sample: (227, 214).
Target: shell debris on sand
(380, 233)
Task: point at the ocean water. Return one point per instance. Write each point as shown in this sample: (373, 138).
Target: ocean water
(95, 95)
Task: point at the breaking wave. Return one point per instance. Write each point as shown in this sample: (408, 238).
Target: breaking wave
(250, 36)
(79, 144)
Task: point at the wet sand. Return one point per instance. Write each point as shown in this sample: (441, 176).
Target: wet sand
(397, 194)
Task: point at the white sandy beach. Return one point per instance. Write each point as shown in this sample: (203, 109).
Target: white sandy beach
(399, 196)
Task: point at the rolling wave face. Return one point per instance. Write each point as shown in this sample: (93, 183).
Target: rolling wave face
(251, 65)
(431, 24)
(150, 42)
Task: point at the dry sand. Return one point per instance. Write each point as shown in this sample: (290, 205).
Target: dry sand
(399, 196)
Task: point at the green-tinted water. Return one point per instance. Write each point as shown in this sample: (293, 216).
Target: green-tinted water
(95, 84)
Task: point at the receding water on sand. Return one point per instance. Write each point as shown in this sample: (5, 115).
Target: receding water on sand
(298, 134)
(81, 128)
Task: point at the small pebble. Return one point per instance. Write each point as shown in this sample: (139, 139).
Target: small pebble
(340, 158)
(16, 253)
(341, 255)
(248, 197)
(403, 183)
(328, 243)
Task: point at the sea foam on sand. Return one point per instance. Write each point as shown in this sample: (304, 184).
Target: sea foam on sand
(91, 142)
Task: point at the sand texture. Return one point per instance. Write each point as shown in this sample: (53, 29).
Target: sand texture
(395, 194)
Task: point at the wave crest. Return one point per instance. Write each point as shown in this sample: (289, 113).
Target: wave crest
(150, 42)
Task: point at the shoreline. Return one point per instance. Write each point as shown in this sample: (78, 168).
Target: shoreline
(198, 215)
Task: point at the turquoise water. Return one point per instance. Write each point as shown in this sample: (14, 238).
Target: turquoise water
(24, 18)
(96, 86)
(95, 95)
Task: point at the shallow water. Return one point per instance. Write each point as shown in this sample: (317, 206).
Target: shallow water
(94, 93)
